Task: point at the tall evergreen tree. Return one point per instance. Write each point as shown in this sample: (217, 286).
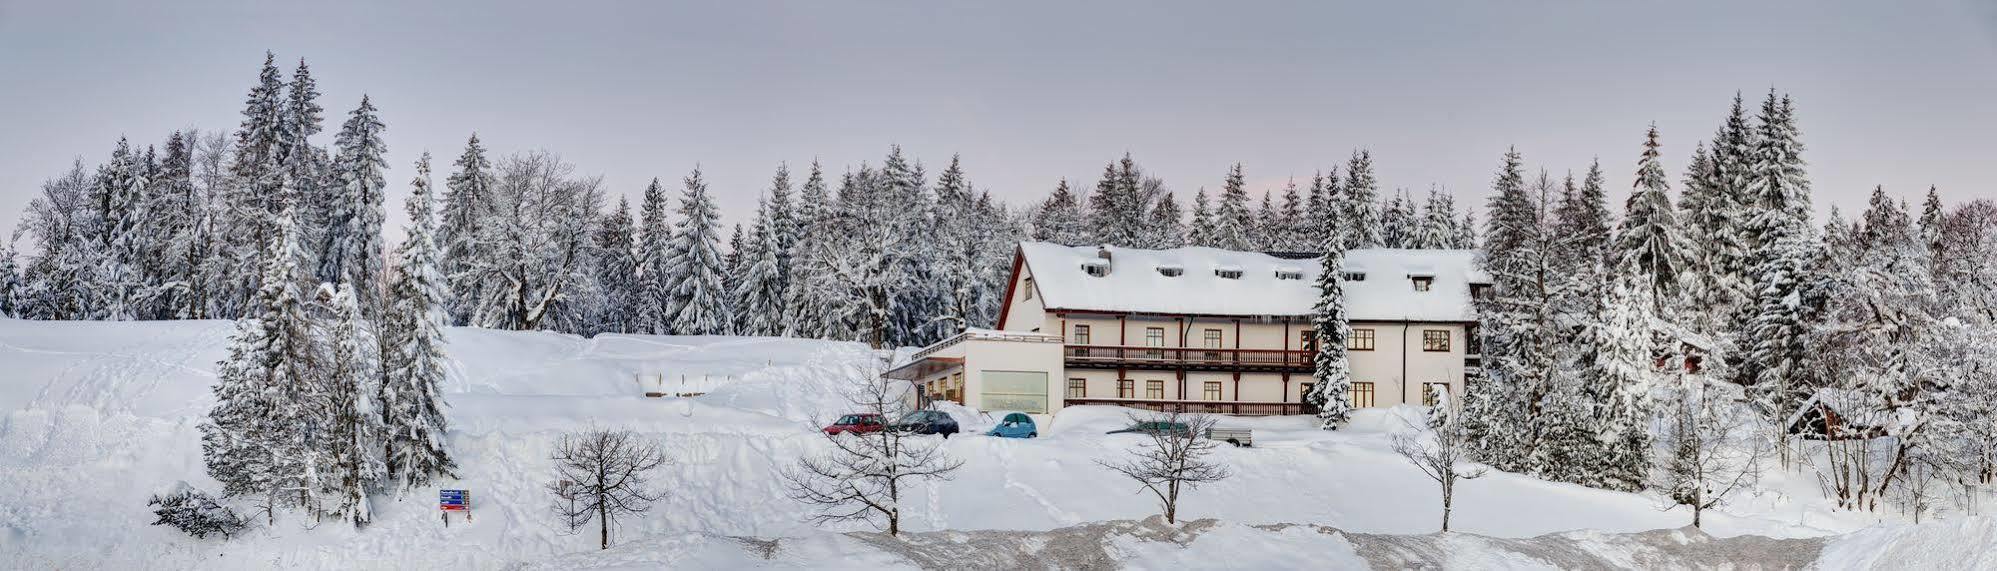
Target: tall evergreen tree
(1200, 231)
(1617, 382)
(411, 400)
(353, 249)
(122, 230)
(1331, 371)
(1398, 225)
(270, 402)
(782, 226)
(654, 260)
(697, 304)
(1649, 240)
(1781, 245)
(256, 195)
(805, 314)
(468, 202)
(1168, 224)
(617, 270)
(1232, 226)
(1437, 229)
(1359, 204)
(1059, 219)
(759, 295)
(353, 447)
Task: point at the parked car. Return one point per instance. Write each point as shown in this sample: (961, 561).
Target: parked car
(860, 423)
(1154, 427)
(1015, 425)
(927, 422)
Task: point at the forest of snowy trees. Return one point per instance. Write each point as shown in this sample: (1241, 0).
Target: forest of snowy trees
(1594, 321)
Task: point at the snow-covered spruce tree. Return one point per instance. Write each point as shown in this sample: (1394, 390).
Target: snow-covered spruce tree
(731, 272)
(1781, 246)
(1581, 227)
(617, 270)
(1320, 207)
(759, 297)
(1466, 231)
(1168, 224)
(1518, 326)
(58, 280)
(1397, 222)
(1117, 208)
(12, 294)
(1059, 218)
(306, 167)
(783, 224)
(1649, 240)
(1331, 372)
(1233, 227)
(1617, 382)
(913, 293)
(120, 203)
(173, 259)
(805, 314)
(1931, 224)
(1359, 204)
(1438, 223)
(1200, 232)
(1726, 221)
(468, 202)
(270, 398)
(353, 250)
(696, 302)
(255, 193)
(654, 250)
(961, 227)
(413, 363)
(1289, 222)
(353, 445)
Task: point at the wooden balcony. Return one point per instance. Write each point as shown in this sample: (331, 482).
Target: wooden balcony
(1113, 357)
(1243, 408)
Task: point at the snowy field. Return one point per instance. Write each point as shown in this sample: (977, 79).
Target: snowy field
(95, 417)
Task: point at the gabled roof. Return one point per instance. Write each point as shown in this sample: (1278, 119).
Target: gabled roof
(1134, 283)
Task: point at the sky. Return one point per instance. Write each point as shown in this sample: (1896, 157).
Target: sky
(1901, 94)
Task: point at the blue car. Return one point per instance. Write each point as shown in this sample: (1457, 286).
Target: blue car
(1015, 425)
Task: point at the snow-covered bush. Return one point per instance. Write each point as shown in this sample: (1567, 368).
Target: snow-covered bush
(197, 513)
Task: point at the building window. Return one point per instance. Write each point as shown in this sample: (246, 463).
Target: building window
(1289, 274)
(1480, 292)
(1078, 388)
(1081, 334)
(1307, 340)
(1473, 342)
(1362, 395)
(1154, 389)
(1354, 276)
(1126, 389)
(1431, 393)
(1435, 340)
(1171, 271)
(1359, 340)
(1212, 390)
(1154, 337)
(1423, 283)
(1228, 273)
(1303, 389)
(1026, 284)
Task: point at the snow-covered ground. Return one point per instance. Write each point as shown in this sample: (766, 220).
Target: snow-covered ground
(95, 417)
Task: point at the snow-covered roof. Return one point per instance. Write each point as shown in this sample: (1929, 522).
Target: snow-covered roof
(1135, 285)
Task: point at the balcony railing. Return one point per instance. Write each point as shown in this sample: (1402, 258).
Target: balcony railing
(1107, 355)
(1245, 408)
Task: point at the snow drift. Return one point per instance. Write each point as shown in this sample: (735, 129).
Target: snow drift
(97, 416)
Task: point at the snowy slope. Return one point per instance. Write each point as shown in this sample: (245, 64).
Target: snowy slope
(95, 417)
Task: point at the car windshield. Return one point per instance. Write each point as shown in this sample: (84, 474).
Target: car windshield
(851, 419)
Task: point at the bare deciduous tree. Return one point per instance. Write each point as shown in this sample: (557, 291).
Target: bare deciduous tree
(864, 475)
(602, 477)
(1439, 454)
(1714, 450)
(1171, 461)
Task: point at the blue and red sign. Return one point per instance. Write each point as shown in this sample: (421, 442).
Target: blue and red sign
(454, 500)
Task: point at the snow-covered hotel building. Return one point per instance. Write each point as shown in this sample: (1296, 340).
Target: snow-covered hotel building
(1205, 330)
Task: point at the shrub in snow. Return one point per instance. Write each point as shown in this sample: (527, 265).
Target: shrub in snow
(195, 512)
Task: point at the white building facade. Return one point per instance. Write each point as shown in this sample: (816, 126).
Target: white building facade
(1206, 330)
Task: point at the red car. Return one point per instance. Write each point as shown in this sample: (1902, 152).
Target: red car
(857, 423)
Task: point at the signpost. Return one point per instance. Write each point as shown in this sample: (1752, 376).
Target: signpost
(454, 501)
